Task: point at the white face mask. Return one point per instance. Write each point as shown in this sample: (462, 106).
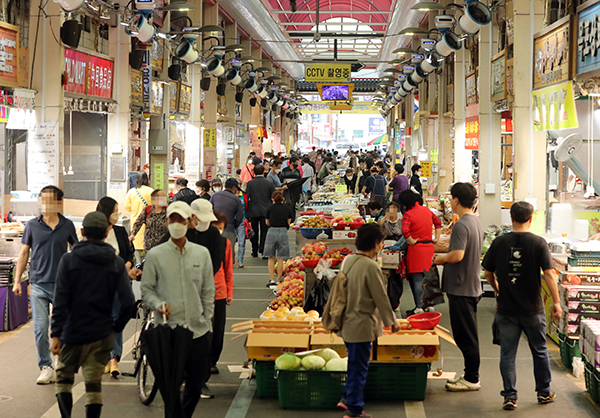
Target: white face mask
(278, 170)
(217, 189)
(350, 177)
(418, 173)
(177, 230)
(202, 226)
(249, 161)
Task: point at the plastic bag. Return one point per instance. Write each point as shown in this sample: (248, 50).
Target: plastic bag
(395, 289)
(432, 292)
(323, 270)
(317, 298)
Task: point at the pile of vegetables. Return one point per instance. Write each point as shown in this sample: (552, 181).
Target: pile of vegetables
(325, 359)
(492, 233)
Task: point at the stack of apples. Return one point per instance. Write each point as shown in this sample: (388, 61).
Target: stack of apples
(335, 255)
(342, 222)
(312, 251)
(315, 222)
(290, 294)
(293, 265)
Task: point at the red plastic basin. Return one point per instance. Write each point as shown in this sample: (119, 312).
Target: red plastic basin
(310, 263)
(425, 321)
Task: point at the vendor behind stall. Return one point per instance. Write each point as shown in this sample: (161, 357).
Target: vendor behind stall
(350, 180)
(392, 222)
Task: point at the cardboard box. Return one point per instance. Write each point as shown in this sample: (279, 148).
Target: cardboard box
(320, 341)
(551, 322)
(391, 259)
(579, 278)
(413, 346)
(586, 293)
(344, 234)
(577, 306)
(269, 339)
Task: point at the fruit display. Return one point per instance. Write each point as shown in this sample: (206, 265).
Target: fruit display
(283, 313)
(336, 255)
(315, 222)
(341, 222)
(293, 265)
(290, 293)
(312, 251)
(325, 359)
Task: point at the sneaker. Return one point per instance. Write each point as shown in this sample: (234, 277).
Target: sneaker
(254, 255)
(455, 379)
(205, 393)
(240, 265)
(271, 285)
(214, 370)
(107, 368)
(114, 368)
(430, 309)
(418, 310)
(509, 404)
(342, 405)
(462, 385)
(546, 397)
(363, 414)
(264, 257)
(47, 376)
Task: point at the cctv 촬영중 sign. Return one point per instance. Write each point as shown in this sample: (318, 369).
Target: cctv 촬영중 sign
(328, 72)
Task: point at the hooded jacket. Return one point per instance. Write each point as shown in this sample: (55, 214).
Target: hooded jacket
(88, 279)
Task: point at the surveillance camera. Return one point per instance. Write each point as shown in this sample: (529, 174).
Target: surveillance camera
(416, 58)
(444, 22)
(428, 44)
(145, 4)
(317, 37)
(408, 69)
(476, 14)
(70, 5)
(448, 44)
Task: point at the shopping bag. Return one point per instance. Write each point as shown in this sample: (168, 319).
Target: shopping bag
(395, 288)
(318, 296)
(249, 231)
(432, 292)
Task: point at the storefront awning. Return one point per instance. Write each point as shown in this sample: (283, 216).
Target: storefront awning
(383, 139)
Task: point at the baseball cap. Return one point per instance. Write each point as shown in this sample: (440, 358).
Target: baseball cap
(231, 182)
(203, 210)
(181, 208)
(95, 220)
(216, 181)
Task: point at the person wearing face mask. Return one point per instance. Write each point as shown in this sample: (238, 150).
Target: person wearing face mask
(154, 218)
(47, 238)
(399, 183)
(203, 189)
(415, 180)
(350, 180)
(178, 282)
(289, 175)
(274, 175)
(184, 193)
(368, 310)
(217, 186)
(376, 185)
(117, 238)
(136, 200)
(363, 173)
(228, 202)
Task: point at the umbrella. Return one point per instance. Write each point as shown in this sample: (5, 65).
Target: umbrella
(167, 350)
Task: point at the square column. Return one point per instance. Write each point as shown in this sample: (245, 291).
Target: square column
(210, 17)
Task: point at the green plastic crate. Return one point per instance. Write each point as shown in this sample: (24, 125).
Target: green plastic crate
(266, 384)
(307, 389)
(592, 381)
(569, 348)
(396, 381)
(584, 261)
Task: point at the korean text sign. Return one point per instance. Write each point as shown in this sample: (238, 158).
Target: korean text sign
(554, 107)
(88, 74)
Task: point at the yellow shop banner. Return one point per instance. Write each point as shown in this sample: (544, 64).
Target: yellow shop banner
(554, 107)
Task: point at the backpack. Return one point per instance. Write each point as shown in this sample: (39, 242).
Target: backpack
(333, 314)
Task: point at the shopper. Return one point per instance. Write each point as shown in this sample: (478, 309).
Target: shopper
(203, 189)
(375, 185)
(184, 193)
(47, 238)
(308, 173)
(461, 281)
(512, 267)
(267, 166)
(118, 239)
(350, 181)
(375, 210)
(353, 160)
(368, 309)
(227, 201)
(392, 222)
(399, 183)
(417, 223)
(259, 191)
(223, 295)
(154, 219)
(415, 179)
(319, 158)
(363, 174)
(289, 174)
(241, 233)
(247, 173)
(178, 282)
(87, 282)
(277, 245)
(216, 185)
(136, 201)
(274, 175)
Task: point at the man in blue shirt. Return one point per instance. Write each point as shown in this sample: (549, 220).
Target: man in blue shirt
(47, 238)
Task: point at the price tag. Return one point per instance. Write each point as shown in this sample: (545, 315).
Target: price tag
(433, 156)
(341, 188)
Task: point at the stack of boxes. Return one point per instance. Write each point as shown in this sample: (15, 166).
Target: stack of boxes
(580, 300)
(589, 341)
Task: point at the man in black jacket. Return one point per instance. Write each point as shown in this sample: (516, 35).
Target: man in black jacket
(184, 193)
(83, 327)
(259, 192)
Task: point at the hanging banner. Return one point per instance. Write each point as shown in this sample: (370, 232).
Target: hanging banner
(588, 30)
(498, 80)
(327, 72)
(471, 86)
(321, 108)
(417, 120)
(210, 138)
(552, 54)
(434, 156)
(554, 107)
(43, 156)
(88, 75)
(472, 127)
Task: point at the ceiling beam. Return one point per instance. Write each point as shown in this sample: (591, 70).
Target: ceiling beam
(334, 23)
(345, 32)
(328, 12)
(310, 35)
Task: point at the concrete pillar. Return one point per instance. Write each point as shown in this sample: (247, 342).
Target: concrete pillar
(529, 145)
(195, 129)
(243, 144)
(210, 17)
(462, 157)
(231, 36)
(490, 141)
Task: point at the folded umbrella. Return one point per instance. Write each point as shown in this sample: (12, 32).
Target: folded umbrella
(167, 350)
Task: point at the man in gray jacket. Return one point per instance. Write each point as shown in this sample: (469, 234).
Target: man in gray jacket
(228, 202)
(259, 192)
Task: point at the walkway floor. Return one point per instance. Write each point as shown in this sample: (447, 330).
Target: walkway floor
(20, 397)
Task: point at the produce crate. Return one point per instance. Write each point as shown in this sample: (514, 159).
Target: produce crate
(392, 381)
(584, 261)
(307, 389)
(569, 348)
(592, 381)
(266, 384)
(577, 254)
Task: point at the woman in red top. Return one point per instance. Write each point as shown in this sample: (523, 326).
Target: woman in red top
(417, 224)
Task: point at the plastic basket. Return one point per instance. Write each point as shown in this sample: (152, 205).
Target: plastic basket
(266, 384)
(392, 381)
(569, 348)
(308, 389)
(313, 233)
(577, 254)
(592, 381)
(584, 261)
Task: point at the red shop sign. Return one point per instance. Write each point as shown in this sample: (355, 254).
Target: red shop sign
(88, 74)
(472, 127)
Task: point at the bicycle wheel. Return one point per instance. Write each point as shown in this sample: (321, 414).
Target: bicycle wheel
(147, 387)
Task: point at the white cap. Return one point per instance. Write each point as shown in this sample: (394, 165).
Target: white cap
(203, 210)
(180, 208)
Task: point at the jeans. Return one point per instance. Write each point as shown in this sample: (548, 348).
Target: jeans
(117, 351)
(358, 368)
(416, 280)
(259, 225)
(42, 295)
(534, 327)
(232, 237)
(195, 371)
(241, 233)
(463, 320)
